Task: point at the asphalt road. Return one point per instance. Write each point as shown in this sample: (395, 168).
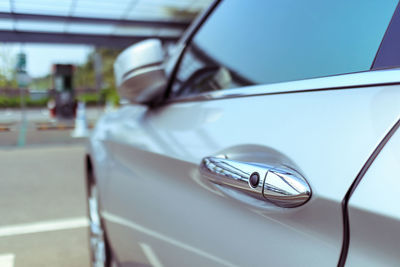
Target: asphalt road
(43, 218)
(43, 213)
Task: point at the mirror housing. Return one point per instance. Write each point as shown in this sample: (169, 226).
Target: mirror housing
(139, 71)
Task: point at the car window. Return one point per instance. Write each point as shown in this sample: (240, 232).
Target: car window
(259, 42)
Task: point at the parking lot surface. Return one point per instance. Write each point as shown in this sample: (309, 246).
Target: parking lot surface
(43, 213)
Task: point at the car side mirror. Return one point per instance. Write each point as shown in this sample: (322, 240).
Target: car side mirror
(139, 71)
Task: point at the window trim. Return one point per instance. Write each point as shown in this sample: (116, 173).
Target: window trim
(392, 28)
(370, 78)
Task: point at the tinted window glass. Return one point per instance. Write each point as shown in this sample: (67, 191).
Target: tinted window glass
(257, 42)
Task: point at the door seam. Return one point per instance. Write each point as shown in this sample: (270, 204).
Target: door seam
(356, 182)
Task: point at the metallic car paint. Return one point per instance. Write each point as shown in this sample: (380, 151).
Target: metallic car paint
(328, 134)
(374, 212)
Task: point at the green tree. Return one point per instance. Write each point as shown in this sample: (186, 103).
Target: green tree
(85, 74)
(7, 70)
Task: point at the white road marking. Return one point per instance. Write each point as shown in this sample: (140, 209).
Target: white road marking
(7, 260)
(150, 255)
(130, 224)
(45, 226)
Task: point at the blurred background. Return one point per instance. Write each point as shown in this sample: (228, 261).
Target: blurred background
(56, 80)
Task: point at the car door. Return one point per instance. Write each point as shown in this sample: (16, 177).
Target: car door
(252, 89)
(374, 213)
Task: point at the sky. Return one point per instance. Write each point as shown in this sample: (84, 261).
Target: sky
(40, 57)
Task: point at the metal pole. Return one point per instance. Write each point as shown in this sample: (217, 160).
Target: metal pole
(22, 79)
(22, 131)
(98, 71)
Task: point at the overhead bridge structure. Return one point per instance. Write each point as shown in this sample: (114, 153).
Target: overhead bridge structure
(117, 23)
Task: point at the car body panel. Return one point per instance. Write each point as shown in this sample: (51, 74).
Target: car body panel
(374, 211)
(152, 191)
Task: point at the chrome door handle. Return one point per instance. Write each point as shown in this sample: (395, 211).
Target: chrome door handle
(281, 185)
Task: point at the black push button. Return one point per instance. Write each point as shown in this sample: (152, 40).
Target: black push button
(254, 179)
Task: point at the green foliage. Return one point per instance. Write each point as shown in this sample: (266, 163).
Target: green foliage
(9, 102)
(105, 95)
(7, 71)
(85, 73)
(13, 102)
(178, 13)
(37, 102)
(110, 95)
(85, 78)
(90, 99)
(6, 82)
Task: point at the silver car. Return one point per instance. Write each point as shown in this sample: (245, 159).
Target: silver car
(268, 137)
